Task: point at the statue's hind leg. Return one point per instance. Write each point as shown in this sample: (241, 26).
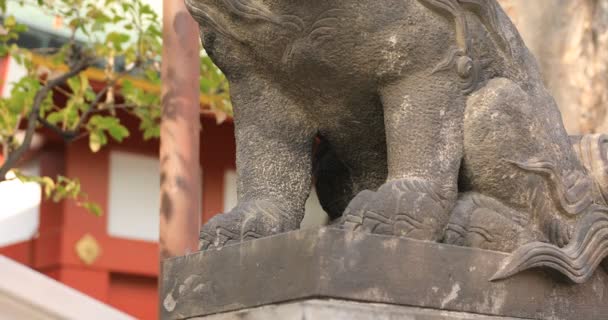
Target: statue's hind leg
(517, 151)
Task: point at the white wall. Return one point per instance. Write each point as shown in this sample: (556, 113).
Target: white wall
(14, 74)
(133, 204)
(230, 183)
(19, 207)
(315, 215)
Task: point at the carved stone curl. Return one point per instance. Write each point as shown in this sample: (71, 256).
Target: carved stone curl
(433, 124)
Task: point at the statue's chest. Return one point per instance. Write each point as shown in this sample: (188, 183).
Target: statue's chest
(325, 40)
(340, 41)
(325, 33)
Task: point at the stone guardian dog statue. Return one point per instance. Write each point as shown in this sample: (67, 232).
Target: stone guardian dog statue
(433, 124)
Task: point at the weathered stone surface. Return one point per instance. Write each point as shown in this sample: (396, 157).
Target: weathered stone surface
(344, 310)
(431, 116)
(331, 263)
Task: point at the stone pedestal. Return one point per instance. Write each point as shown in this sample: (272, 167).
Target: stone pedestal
(331, 274)
(317, 309)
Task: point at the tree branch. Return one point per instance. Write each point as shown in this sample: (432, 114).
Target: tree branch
(93, 104)
(98, 98)
(13, 158)
(67, 135)
(70, 135)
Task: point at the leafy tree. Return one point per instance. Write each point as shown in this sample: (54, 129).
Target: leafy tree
(122, 37)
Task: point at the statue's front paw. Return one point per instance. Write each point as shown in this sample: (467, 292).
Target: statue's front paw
(221, 230)
(352, 219)
(248, 221)
(406, 208)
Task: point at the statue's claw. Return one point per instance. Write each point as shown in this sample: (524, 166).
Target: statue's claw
(353, 215)
(205, 241)
(406, 208)
(221, 230)
(252, 220)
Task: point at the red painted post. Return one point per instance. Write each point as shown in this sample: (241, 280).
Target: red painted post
(180, 129)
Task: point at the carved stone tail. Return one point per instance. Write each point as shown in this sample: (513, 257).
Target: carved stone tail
(578, 260)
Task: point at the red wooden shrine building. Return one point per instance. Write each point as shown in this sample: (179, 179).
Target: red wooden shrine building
(113, 258)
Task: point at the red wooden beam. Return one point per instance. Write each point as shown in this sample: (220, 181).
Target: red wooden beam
(20, 252)
(4, 62)
(180, 129)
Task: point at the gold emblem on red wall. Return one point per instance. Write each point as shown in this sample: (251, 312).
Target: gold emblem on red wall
(88, 249)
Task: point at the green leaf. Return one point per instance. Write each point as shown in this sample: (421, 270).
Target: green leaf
(96, 140)
(117, 39)
(152, 133)
(10, 21)
(76, 23)
(118, 132)
(84, 81)
(20, 28)
(75, 84)
(127, 87)
(48, 186)
(55, 117)
(152, 76)
(146, 9)
(23, 178)
(90, 95)
(126, 6)
(92, 208)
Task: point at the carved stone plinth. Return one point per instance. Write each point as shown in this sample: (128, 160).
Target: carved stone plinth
(318, 309)
(330, 270)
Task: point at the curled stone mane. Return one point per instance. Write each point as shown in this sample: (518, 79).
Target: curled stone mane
(245, 9)
(487, 12)
(255, 11)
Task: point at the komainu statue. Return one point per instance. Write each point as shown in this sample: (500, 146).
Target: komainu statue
(424, 119)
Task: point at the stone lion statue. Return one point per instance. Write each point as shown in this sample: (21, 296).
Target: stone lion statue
(432, 123)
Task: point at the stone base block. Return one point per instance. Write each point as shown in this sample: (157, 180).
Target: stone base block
(344, 310)
(409, 279)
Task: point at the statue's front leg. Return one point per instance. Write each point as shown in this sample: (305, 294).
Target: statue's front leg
(274, 146)
(423, 119)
